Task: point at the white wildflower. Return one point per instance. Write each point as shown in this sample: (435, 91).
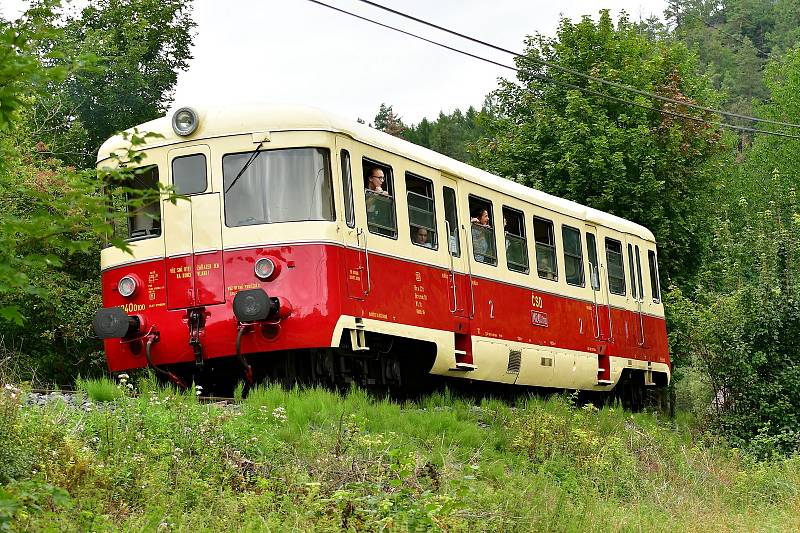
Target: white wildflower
(279, 414)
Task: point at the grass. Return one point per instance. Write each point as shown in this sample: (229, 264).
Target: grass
(313, 460)
(100, 390)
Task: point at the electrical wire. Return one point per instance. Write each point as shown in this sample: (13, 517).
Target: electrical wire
(573, 72)
(586, 90)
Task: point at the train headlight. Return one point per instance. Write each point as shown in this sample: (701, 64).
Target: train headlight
(265, 268)
(184, 121)
(127, 286)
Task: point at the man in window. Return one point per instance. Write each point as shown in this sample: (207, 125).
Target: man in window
(420, 236)
(375, 181)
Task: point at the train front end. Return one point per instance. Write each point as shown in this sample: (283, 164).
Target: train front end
(243, 259)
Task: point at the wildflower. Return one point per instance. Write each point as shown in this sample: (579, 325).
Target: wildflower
(279, 414)
(123, 377)
(198, 390)
(130, 386)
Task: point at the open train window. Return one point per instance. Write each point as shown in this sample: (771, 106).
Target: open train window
(516, 244)
(573, 255)
(655, 287)
(347, 190)
(545, 239)
(189, 174)
(484, 247)
(379, 199)
(451, 217)
(421, 211)
(616, 267)
(136, 201)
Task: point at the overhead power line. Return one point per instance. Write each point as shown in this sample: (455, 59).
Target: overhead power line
(578, 73)
(548, 79)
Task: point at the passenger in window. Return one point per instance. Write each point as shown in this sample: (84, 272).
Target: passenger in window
(480, 217)
(420, 236)
(375, 181)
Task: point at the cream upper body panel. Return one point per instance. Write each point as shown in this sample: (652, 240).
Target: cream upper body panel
(232, 120)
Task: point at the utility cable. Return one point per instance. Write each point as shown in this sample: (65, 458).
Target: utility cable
(574, 72)
(548, 79)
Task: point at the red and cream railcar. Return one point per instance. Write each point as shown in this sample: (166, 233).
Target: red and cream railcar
(285, 259)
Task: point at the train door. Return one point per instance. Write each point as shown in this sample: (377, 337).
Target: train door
(193, 232)
(459, 292)
(354, 236)
(602, 331)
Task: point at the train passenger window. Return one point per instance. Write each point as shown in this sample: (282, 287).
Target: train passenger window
(269, 186)
(138, 200)
(484, 247)
(451, 217)
(421, 211)
(632, 272)
(516, 244)
(189, 174)
(616, 267)
(545, 248)
(573, 255)
(639, 273)
(655, 287)
(594, 272)
(379, 198)
(347, 190)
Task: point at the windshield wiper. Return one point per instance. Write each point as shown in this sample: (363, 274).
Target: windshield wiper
(249, 161)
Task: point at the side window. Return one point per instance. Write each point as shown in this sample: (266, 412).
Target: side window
(632, 271)
(484, 247)
(379, 198)
(421, 211)
(616, 268)
(516, 244)
(189, 174)
(594, 273)
(347, 189)
(138, 198)
(545, 249)
(573, 255)
(451, 216)
(639, 273)
(654, 281)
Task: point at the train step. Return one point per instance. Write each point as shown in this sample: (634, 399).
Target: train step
(463, 367)
(604, 382)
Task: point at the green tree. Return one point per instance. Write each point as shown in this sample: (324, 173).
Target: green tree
(135, 49)
(389, 122)
(640, 164)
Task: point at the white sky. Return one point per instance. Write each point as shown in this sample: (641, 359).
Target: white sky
(296, 51)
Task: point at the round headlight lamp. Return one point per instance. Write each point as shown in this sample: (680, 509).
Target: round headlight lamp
(127, 286)
(265, 268)
(184, 121)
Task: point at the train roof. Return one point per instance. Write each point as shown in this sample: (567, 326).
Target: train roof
(233, 120)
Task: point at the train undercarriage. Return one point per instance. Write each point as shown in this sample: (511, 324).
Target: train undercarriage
(393, 366)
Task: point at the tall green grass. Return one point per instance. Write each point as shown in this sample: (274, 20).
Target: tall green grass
(99, 390)
(310, 459)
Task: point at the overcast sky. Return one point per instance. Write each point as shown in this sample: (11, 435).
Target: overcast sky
(296, 51)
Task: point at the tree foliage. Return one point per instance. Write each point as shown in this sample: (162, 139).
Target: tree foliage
(637, 163)
(52, 216)
(133, 51)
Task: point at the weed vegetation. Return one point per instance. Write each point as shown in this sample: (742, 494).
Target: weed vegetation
(314, 460)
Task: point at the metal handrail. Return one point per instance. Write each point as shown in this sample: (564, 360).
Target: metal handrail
(366, 255)
(608, 303)
(452, 268)
(593, 270)
(469, 265)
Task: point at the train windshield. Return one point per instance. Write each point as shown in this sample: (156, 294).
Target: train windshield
(288, 185)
